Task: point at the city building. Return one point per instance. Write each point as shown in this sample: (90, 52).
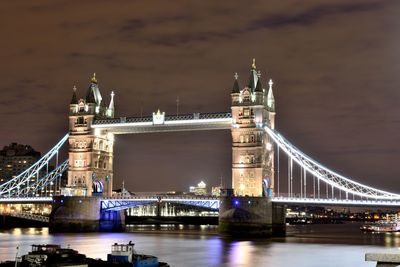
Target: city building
(216, 191)
(200, 189)
(14, 159)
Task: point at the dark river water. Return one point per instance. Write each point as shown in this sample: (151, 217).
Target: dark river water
(304, 246)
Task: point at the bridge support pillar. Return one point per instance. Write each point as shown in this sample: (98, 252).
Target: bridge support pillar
(251, 216)
(83, 214)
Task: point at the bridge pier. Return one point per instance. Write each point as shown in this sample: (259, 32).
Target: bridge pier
(251, 217)
(83, 214)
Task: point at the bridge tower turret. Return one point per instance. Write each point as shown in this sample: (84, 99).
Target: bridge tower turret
(90, 170)
(252, 151)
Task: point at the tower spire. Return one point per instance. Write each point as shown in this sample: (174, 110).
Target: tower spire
(111, 106)
(259, 84)
(74, 99)
(93, 94)
(253, 66)
(270, 97)
(94, 80)
(235, 88)
(253, 76)
(110, 110)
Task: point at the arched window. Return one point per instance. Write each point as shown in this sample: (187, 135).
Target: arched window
(246, 112)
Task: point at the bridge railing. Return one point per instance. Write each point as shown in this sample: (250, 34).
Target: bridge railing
(183, 117)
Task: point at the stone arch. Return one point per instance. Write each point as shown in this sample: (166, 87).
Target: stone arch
(97, 186)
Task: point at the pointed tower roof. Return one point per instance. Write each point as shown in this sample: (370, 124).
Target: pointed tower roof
(259, 85)
(74, 99)
(90, 95)
(253, 76)
(111, 106)
(110, 109)
(93, 94)
(235, 88)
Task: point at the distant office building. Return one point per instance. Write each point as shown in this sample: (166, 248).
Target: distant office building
(200, 189)
(16, 158)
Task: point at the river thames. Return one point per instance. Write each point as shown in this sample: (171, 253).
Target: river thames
(304, 246)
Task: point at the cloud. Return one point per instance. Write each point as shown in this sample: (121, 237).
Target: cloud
(310, 16)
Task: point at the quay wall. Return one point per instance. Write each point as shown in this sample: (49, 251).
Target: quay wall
(83, 214)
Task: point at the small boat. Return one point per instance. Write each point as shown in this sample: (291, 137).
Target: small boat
(382, 226)
(125, 253)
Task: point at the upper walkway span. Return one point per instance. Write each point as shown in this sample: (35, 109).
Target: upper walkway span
(161, 123)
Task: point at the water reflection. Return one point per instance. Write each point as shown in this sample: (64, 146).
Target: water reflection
(192, 246)
(240, 253)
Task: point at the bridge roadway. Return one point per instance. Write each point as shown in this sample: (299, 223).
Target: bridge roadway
(119, 203)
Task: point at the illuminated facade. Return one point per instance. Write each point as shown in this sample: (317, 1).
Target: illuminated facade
(253, 107)
(90, 170)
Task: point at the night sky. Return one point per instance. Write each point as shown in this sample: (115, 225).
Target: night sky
(335, 66)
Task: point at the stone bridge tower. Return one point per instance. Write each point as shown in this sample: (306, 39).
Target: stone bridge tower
(253, 107)
(90, 170)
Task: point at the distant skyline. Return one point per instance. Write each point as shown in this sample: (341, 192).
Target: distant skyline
(335, 67)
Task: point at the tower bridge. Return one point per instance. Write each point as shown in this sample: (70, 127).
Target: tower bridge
(258, 150)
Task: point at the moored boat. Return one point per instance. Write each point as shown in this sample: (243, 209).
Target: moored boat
(382, 226)
(122, 255)
(125, 253)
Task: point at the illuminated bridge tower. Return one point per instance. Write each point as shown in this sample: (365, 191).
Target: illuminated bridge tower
(252, 151)
(90, 169)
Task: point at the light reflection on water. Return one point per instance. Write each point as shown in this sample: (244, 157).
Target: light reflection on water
(181, 245)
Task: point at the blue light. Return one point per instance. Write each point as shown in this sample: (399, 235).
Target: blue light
(236, 202)
(62, 200)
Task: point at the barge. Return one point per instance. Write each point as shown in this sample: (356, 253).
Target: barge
(122, 255)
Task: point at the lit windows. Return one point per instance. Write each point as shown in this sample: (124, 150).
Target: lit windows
(80, 163)
(246, 112)
(80, 120)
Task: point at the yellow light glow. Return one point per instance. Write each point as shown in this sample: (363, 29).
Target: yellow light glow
(110, 136)
(241, 187)
(97, 132)
(269, 146)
